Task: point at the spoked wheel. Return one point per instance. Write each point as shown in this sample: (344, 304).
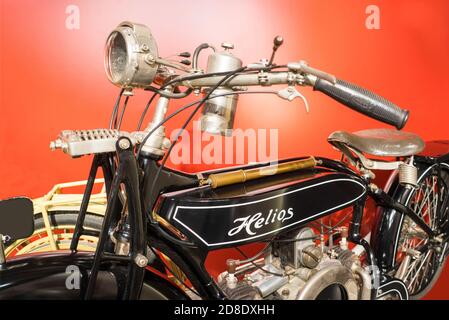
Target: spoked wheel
(420, 259)
(63, 224)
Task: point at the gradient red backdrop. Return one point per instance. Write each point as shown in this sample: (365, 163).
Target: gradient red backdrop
(52, 78)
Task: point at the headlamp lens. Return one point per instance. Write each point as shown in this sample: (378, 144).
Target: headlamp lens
(116, 57)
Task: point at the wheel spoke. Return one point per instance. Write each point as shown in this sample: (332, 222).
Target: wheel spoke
(418, 270)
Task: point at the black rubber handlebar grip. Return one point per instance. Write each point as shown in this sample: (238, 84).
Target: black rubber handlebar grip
(364, 101)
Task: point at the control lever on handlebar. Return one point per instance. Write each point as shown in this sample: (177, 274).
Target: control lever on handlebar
(303, 67)
(291, 93)
(277, 42)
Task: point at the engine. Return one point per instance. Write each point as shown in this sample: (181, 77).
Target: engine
(298, 269)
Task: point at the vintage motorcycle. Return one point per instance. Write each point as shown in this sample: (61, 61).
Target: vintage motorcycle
(160, 224)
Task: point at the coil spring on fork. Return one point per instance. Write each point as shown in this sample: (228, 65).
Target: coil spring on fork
(408, 174)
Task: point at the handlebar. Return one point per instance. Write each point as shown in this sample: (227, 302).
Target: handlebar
(144, 67)
(253, 79)
(364, 101)
(354, 97)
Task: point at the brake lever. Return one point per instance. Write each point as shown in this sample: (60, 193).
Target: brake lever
(290, 93)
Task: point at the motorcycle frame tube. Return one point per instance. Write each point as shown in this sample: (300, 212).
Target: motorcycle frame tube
(355, 235)
(195, 257)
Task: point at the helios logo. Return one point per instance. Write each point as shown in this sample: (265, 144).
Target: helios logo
(256, 221)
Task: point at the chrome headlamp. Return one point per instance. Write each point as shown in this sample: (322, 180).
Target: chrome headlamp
(130, 56)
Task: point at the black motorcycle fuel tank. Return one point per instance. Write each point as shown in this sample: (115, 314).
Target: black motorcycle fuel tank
(257, 210)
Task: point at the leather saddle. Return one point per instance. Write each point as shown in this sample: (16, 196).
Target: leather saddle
(378, 142)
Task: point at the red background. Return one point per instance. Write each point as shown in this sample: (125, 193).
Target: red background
(52, 78)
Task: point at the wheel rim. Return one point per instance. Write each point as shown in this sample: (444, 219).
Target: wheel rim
(416, 255)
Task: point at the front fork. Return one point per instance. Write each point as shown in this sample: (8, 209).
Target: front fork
(126, 175)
